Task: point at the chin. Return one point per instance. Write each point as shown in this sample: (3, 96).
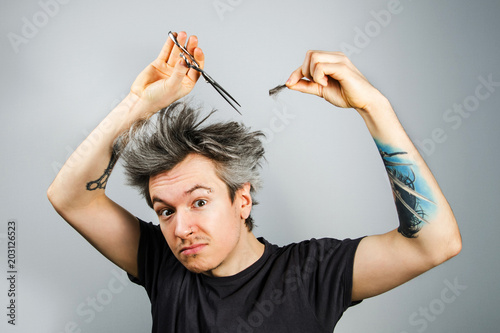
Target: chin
(198, 265)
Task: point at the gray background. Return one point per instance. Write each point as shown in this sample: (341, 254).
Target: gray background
(323, 176)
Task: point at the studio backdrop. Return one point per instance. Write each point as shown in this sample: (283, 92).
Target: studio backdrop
(66, 63)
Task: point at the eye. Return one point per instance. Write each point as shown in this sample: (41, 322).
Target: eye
(166, 212)
(200, 203)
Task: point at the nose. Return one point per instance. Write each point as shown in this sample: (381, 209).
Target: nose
(184, 225)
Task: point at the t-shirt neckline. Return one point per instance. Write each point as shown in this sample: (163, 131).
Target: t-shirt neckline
(220, 280)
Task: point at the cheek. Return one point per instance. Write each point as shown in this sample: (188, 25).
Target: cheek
(231, 230)
(224, 231)
(226, 222)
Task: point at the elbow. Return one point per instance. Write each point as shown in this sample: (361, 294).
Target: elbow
(57, 198)
(455, 246)
(454, 240)
(54, 192)
(59, 201)
(50, 194)
(443, 256)
(452, 246)
(67, 201)
(52, 197)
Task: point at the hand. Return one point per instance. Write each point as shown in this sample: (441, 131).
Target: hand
(167, 78)
(331, 75)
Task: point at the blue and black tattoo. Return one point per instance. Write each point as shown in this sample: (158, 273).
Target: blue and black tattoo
(413, 202)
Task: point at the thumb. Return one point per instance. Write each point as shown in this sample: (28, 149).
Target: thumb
(180, 71)
(298, 82)
(306, 86)
(170, 89)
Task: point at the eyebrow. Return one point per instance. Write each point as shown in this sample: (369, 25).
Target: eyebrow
(191, 190)
(197, 187)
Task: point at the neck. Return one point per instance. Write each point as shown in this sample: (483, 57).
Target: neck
(246, 253)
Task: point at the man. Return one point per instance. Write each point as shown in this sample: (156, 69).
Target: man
(203, 268)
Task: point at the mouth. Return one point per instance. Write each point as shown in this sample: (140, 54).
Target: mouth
(193, 249)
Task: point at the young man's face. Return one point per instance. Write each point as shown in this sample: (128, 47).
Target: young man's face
(200, 224)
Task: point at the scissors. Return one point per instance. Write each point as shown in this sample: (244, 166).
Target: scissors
(192, 63)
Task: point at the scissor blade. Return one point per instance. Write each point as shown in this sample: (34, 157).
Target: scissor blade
(224, 96)
(218, 87)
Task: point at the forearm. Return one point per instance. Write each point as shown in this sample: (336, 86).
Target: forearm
(83, 177)
(425, 216)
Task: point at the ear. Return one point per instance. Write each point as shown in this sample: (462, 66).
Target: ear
(244, 201)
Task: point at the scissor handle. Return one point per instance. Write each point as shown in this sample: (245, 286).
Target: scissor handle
(183, 49)
(192, 63)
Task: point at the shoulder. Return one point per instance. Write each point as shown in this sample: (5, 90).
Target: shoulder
(152, 242)
(154, 256)
(321, 247)
(314, 252)
(150, 230)
(149, 225)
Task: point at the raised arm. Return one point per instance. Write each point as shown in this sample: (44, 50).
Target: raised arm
(427, 234)
(78, 191)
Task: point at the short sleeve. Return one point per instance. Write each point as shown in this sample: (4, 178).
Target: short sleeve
(327, 273)
(151, 253)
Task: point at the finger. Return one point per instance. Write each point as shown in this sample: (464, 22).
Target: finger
(309, 64)
(337, 58)
(166, 49)
(191, 47)
(306, 65)
(192, 44)
(320, 57)
(307, 87)
(199, 56)
(193, 74)
(312, 59)
(175, 53)
(179, 73)
(323, 71)
(294, 77)
(338, 71)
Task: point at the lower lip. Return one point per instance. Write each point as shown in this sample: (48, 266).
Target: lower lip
(193, 250)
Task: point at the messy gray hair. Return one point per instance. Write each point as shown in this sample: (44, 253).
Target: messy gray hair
(160, 143)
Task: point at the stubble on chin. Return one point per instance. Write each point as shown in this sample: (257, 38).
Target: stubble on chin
(200, 268)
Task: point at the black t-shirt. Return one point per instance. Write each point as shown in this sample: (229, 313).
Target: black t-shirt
(301, 287)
